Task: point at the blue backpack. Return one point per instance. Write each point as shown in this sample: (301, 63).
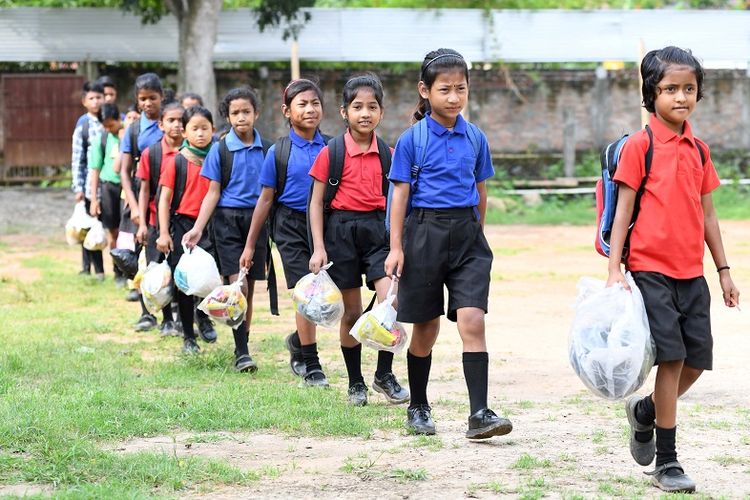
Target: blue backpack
(607, 189)
(419, 138)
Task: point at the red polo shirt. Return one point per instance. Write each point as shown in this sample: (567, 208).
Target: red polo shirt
(144, 172)
(196, 186)
(361, 187)
(668, 236)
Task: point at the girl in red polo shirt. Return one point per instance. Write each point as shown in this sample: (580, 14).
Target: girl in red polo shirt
(177, 216)
(351, 232)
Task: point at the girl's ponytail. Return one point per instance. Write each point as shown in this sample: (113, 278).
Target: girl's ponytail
(423, 107)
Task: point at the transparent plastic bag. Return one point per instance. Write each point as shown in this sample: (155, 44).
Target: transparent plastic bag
(156, 286)
(96, 238)
(142, 265)
(378, 327)
(318, 299)
(78, 225)
(226, 303)
(611, 349)
(196, 272)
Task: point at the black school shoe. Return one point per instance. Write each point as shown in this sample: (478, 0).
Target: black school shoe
(190, 346)
(296, 361)
(642, 453)
(132, 295)
(169, 329)
(206, 329)
(316, 378)
(357, 394)
(244, 363)
(389, 387)
(485, 423)
(145, 323)
(419, 420)
(671, 478)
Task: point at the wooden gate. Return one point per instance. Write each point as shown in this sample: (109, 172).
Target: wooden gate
(39, 113)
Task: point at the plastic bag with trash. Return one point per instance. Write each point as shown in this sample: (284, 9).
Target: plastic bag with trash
(135, 283)
(378, 327)
(226, 303)
(318, 299)
(156, 286)
(96, 238)
(78, 224)
(196, 272)
(126, 261)
(611, 349)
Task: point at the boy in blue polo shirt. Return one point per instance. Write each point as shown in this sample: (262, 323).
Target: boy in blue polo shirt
(449, 198)
(233, 167)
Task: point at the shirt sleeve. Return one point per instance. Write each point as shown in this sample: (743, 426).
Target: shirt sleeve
(167, 172)
(211, 168)
(484, 167)
(144, 166)
(403, 158)
(126, 147)
(320, 166)
(710, 178)
(268, 169)
(95, 153)
(631, 167)
(79, 177)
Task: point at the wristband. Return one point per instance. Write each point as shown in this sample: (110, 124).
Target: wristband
(722, 268)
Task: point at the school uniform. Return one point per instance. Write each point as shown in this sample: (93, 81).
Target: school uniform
(103, 161)
(443, 239)
(667, 242)
(144, 173)
(149, 134)
(290, 220)
(354, 236)
(234, 210)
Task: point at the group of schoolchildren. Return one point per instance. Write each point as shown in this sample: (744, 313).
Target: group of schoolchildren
(324, 199)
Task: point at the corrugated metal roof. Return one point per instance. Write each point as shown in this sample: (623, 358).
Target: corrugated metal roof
(385, 35)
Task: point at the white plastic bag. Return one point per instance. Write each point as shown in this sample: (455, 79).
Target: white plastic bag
(196, 272)
(96, 238)
(378, 327)
(318, 299)
(135, 283)
(156, 286)
(611, 348)
(226, 303)
(78, 224)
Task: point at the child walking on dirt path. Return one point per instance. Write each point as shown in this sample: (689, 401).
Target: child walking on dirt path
(283, 202)
(439, 171)
(348, 226)
(665, 257)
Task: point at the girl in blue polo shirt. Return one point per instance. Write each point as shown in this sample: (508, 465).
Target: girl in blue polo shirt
(233, 167)
(439, 168)
(353, 235)
(303, 108)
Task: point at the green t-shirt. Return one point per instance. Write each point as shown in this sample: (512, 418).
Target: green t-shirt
(103, 160)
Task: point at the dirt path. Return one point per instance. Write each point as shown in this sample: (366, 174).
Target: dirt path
(566, 442)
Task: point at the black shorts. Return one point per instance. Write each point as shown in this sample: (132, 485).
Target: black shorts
(443, 247)
(110, 205)
(230, 228)
(152, 254)
(356, 243)
(179, 225)
(126, 225)
(679, 318)
(290, 236)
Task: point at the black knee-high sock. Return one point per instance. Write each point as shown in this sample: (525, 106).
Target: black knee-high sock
(385, 364)
(419, 374)
(353, 361)
(475, 371)
(97, 258)
(645, 411)
(185, 305)
(241, 337)
(144, 311)
(666, 450)
(85, 260)
(295, 340)
(310, 355)
(166, 312)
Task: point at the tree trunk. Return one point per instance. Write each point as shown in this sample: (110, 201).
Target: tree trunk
(198, 25)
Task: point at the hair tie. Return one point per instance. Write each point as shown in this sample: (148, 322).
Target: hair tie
(458, 56)
(283, 94)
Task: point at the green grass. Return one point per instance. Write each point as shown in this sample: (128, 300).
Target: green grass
(527, 461)
(66, 395)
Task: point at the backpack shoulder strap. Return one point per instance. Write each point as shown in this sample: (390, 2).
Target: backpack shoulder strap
(336, 152)
(642, 187)
(326, 138)
(180, 180)
(105, 136)
(282, 151)
(419, 138)
(154, 167)
(135, 131)
(266, 144)
(226, 161)
(474, 135)
(702, 152)
(384, 151)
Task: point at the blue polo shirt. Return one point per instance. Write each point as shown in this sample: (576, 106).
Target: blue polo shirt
(451, 169)
(150, 134)
(301, 157)
(243, 188)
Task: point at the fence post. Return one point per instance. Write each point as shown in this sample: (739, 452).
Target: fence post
(569, 142)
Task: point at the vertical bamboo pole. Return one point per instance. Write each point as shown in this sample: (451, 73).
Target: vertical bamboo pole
(295, 59)
(641, 55)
